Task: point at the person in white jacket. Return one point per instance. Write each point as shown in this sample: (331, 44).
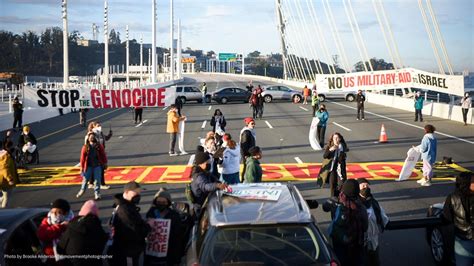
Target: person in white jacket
(230, 161)
(466, 103)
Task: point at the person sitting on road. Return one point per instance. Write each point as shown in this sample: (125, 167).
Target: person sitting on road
(349, 224)
(253, 173)
(27, 141)
(459, 210)
(377, 218)
(53, 226)
(161, 208)
(84, 236)
(202, 182)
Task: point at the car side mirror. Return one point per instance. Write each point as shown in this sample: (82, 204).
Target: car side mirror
(312, 203)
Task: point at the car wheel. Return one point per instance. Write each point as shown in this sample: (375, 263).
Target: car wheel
(296, 99)
(224, 100)
(321, 98)
(268, 98)
(208, 99)
(437, 246)
(183, 100)
(350, 98)
(199, 101)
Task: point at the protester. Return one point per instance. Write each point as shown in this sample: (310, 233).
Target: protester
(333, 167)
(96, 128)
(8, 175)
(260, 102)
(99, 134)
(138, 114)
(248, 139)
(210, 149)
(218, 121)
(129, 230)
(83, 116)
(17, 113)
(428, 149)
(172, 128)
(52, 227)
(202, 182)
(466, 103)
(84, 236)
(314, 100)
(230, 161)
(8, 142)
(360, 99)
(27, 142)
(93, 162)
(306, 94)
(377, 220)
(323, 116)
(418, 106)
(204, 92)
(249, 86)
(349, 224)
(459, 210)
(161, 208)
(179, 105)
(253, 172)
(253, 100)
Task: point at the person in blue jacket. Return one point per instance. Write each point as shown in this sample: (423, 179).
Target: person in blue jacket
(418, 106)
(323, 116)
(428, 148)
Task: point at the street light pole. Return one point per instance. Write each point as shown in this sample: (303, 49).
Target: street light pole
(141, 60)
(127, 60)
(153, 42)
(171, 41)
(65, 46)
(178, 60)
(106, 44)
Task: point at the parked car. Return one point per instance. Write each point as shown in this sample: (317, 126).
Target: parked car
(228, 94)
(255, 231)
(278, 92)
(18, 236)
(188, 93)
(440, 238)
(346, 95)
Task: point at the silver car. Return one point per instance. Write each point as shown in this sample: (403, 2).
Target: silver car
(278, 92)
(346, 95)
(188, 93)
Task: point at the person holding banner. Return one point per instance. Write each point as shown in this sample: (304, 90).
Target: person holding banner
(418, 106)
(466, 103)
(360, 99)
(172, 127)
(323, 116)
(428, 148)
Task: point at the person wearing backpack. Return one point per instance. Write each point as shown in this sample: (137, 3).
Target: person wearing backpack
(377, 218)
(349, 224)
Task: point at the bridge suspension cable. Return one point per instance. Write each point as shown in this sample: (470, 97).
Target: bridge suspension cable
(349, 17)
(364, 48)
(382, 28)
(390, 35)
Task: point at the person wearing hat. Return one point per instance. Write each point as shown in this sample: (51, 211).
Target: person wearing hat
(349, 224)
(253, 173)
(53, 226)
(323, 115)
(161, 208)
(377, 220)
(202, 182)
(84, 236)
(17, 112)
(248, 139)
(418, 106)
(129, 228)
(27, 142)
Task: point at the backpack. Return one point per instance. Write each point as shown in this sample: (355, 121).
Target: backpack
(338, 227)
(189, 193)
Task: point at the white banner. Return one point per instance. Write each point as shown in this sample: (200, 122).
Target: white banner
(158, 239)
(255, 193)
(147, 96)
(391, 79)
(312, 134)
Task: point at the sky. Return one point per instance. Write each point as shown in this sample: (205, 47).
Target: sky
(243, 26)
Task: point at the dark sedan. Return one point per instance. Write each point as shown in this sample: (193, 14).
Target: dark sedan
(229, 94)
(20, 245)
(440, 238)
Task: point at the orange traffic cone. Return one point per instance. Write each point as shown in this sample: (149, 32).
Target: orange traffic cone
(383, 135)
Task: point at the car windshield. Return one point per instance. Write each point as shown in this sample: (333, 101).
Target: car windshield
(268, 245)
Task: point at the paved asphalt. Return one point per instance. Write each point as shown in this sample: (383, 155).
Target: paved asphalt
(60, 141)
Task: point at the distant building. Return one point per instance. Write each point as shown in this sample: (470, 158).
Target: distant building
(87, 43)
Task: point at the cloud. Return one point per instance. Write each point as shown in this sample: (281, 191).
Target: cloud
(15, 20)
(219, 11)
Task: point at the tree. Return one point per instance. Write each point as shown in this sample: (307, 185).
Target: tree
(254, 54)
(114, 37)
(377, 64)
(51, 41)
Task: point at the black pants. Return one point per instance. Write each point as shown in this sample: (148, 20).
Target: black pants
(173, 137)
(138, 114)
(464, 114)
(17, 120)
(260, 111)
(372, 257)
(321, 131)
(255, 111)
(244, 162)
(315, 108)
(418, 113)
(334, 182)
(360, 109)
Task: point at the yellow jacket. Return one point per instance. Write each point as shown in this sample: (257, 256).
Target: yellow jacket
(7, 171)
(173, 122)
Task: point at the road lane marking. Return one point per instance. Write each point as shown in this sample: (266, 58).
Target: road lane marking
(191, 159)
(139, 124)
(164, 108)
(204, 124)
(77, 165)
(144, 121)
(341, 126)
(75, 125)
(298, 160)
(268, 124)
(120, 137)
(209, 108)
(407, 124)
(301, 107)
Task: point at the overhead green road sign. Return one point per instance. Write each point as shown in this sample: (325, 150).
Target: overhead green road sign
(227, 57)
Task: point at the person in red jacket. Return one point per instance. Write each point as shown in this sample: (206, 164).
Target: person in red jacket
(52, 227)
(93, 160)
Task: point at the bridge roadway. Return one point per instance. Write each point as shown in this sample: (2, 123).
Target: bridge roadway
(282, 134)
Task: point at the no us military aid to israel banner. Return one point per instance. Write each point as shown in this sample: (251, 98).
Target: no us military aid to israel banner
(88, 97)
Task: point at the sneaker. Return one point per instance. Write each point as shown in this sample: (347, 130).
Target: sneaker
(426, 183)
(183, 153)
(173, 154)
(90, 186)
(104, 187)
(97, 196)
(420, 181)
(363, 118)
(80, 193)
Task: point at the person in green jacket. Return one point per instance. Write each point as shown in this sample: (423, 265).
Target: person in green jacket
(418, 106)
(314, 100)
(253, 172)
